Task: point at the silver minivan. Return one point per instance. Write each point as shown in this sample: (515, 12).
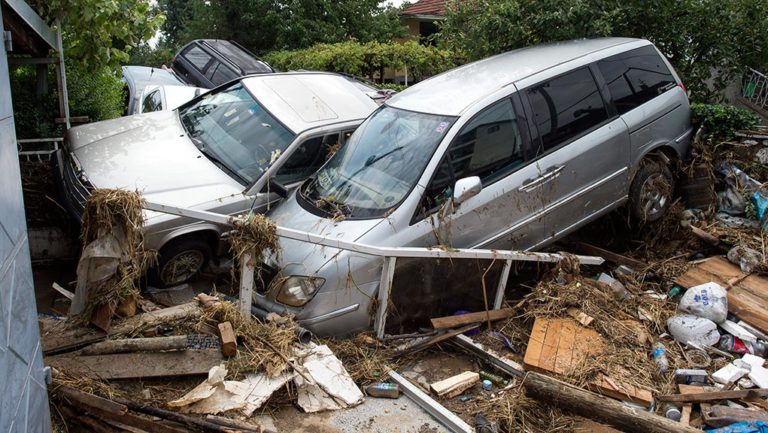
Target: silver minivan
(510, 152)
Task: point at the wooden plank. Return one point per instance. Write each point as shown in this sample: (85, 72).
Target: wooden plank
(434, 340)
(60, 337)
(455, 385)
(748, 298)
(139, 365)
(228, 339)
(593, 250)
(687, 409)
(560, 345)
(176, 342)
(703, 397)
(466, 319)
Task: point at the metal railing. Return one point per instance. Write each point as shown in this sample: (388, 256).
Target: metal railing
(754, 88)
(38, 149)
(389, 255)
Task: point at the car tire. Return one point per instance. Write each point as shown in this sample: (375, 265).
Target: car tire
(179, 261)
(650, 194)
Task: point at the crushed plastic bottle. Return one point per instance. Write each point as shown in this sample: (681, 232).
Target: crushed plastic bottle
(660, 356)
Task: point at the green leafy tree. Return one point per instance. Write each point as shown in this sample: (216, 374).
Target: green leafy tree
(102, 32)
(710, 42)
(266, 25)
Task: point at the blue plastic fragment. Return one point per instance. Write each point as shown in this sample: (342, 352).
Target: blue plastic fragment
(741, 427)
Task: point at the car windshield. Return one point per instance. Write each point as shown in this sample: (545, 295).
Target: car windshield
(379, 165)
(235, 132)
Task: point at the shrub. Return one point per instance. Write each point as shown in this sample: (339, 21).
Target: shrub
(366, 59)
(720, 121)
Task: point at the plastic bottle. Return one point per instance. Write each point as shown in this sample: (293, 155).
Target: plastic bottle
(495, 379)
(660, 356)
(385, 390)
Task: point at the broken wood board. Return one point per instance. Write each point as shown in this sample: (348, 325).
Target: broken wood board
(60, 336)
(721, 416)
(560, 345)
(139, 365)
(228, 339)
(706, 396)
(455, 385)
(470, 318)
(747, 296)
(685, 412)
(580, 316)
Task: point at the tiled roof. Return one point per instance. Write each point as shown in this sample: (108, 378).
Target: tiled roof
(427, 7)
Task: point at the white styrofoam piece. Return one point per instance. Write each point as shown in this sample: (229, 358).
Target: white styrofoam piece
(760, 334)
(737, 330)
(729, 373)
(753, 360)
(759, 376)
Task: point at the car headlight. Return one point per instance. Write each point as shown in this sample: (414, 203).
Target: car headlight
(297, 291)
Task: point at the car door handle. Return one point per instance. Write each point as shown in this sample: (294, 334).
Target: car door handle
(550, 174)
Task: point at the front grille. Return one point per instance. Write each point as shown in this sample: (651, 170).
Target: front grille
(77, 190)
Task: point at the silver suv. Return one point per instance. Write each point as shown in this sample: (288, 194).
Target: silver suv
(227, 151)
(510, 152)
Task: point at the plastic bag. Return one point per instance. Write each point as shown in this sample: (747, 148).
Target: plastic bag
(708, 300)
(687, 328)
(747, 258)
(741, 427)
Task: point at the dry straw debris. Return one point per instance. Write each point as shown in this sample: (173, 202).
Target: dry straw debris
(254, 235)
(119, 213)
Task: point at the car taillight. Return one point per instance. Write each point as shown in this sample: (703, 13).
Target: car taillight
(682, 86)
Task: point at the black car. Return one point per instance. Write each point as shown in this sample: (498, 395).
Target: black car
(210, 62)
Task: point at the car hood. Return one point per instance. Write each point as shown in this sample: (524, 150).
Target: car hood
(152, 154)
(290, 214)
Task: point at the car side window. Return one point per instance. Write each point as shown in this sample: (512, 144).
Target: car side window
(152, 102)
(566, 106)
(307, 158)
(197, 57)
(489, 146)
(636, 77)
(222, 74)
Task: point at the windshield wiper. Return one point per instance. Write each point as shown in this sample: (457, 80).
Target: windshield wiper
(374, 159)
(218, 162)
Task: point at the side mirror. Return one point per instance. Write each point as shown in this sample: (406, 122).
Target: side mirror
(466, 188)
(276, 187)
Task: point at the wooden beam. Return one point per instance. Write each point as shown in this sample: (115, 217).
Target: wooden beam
(702, 397)
(194, 422)
(247, 269)
(176, 342)
(455, 385)
(157, 317)
(434, 340)
(466, 319)
(598, 407)
(593, 250)
(139, 365)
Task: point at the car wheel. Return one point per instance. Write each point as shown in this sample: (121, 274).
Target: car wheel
(181, 260)
(650, 194)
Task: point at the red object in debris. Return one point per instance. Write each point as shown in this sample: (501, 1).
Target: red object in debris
(732, 344)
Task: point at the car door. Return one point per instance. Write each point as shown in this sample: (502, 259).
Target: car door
(195, 63)
(583, 150)
(494, 145)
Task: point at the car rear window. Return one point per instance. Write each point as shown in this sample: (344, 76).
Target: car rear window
(635, 77)
(566, 106)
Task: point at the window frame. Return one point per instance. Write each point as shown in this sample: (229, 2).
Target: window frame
(339, 133)
(534, 130)
(207, 65)
(523, 123)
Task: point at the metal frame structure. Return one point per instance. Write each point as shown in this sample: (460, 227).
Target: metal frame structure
(389, 254)
(754, 89)
(52, 144)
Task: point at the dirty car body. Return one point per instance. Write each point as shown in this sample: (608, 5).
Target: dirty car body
(228, 151)
(510, 152)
